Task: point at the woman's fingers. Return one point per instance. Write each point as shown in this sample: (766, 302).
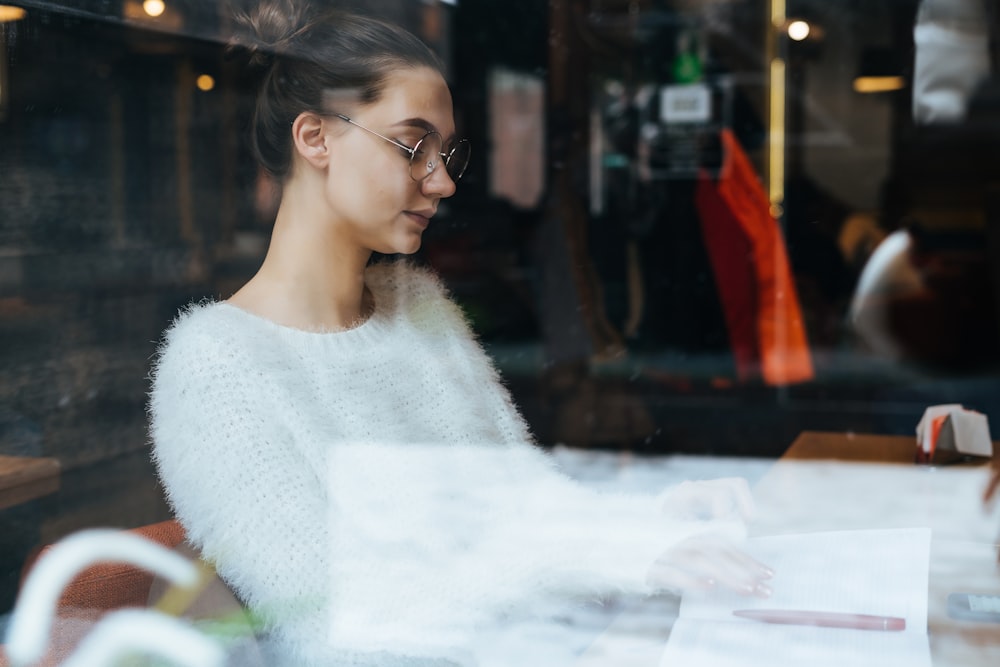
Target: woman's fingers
(676, 580)
(704, 562)
(739, 572)
(679, 578)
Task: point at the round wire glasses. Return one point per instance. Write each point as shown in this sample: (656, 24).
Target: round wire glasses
(427, 153)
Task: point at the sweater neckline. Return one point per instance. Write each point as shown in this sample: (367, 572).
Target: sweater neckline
(375, 321)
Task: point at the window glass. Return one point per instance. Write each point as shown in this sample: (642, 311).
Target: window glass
(686, 227)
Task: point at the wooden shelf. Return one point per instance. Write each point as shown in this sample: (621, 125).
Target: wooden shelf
(24, 478)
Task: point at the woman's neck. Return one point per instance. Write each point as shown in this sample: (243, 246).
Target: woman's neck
(310, 279)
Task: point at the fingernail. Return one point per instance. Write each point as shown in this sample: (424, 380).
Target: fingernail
(762, 590)
(768, 572)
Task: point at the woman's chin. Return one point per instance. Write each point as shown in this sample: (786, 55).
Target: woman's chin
(405, 243)
(409, 245)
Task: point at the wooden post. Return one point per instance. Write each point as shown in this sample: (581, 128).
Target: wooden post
(569, 139)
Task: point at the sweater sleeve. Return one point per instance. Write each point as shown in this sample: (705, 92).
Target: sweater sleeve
(580, 540)
(432, 310)
(584, 541)
(245, 496)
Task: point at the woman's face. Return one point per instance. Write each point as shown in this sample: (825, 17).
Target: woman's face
(375, 204)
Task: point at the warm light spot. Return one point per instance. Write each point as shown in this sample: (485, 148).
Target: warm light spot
(778, 13)
(205, 82)
(776, 133)
(798, 30)
(878, 84)
(721, 383)
(154, 7)
(8, 13)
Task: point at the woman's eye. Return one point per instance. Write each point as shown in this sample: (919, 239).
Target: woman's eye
(409, 144)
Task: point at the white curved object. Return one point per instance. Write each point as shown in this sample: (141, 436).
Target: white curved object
(31, 620)
(149, 632)
(952, 58)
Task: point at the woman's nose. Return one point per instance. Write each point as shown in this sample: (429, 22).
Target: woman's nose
(439, 183)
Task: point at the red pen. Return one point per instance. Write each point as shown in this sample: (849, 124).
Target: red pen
(826, 619)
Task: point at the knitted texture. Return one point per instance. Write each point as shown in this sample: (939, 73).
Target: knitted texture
(372, 494)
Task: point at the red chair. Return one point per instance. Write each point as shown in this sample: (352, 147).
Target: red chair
(100, 589)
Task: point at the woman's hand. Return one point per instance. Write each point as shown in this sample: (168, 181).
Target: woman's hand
(711, 559)
(727, 498)
(706, 561)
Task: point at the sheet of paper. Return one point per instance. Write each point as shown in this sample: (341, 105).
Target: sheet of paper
(879, 572)
(724, 644)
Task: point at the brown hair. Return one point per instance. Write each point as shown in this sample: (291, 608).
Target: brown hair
(304, 56)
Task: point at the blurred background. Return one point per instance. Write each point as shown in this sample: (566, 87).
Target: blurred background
(688, 227)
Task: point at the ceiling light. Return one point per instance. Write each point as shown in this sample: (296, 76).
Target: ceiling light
(878, 84)
(9, 13)
(154, 7)
(205, 82)
(798, 30)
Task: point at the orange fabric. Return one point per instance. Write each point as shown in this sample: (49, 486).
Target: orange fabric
(730, 252)
(114, 585)
(936, 425)
(98, 590)
(782, 347)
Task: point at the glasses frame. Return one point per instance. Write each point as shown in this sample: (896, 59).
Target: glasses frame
(413, 151)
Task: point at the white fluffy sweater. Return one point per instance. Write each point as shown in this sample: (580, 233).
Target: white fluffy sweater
(372, 494)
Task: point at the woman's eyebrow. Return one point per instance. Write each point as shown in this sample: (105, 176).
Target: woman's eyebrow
(420, 123)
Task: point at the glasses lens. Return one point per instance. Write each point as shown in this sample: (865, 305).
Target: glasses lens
(426, 156)
(458, 159)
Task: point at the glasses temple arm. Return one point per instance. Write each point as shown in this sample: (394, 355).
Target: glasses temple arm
(384, 138)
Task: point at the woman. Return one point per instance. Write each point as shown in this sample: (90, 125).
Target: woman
(333, 438)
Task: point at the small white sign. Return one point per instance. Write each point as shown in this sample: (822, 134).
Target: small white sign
(689, 103)
(951, 427)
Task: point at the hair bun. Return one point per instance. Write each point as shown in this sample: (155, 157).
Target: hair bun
(263, 28)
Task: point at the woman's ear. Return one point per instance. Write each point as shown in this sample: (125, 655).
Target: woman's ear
(309, 139)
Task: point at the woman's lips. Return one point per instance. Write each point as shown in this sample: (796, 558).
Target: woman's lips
(422, 218)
